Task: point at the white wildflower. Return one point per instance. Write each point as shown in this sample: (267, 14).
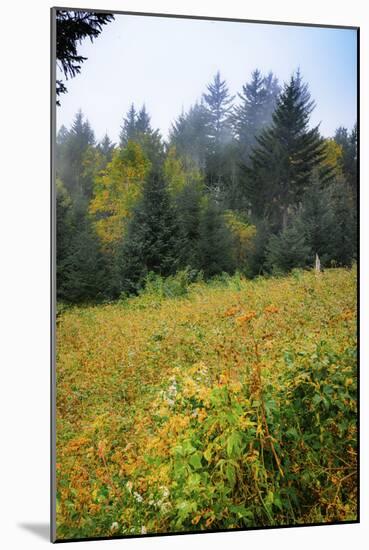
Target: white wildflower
(129, 486)
(138, 497)
(165, 506)
(114, 526)
(143, 530)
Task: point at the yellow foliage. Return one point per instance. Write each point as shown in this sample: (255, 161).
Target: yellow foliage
(334, 154)
(116, 191)
(246, 317)
(123, 395)
(243, 235)
(178, 173)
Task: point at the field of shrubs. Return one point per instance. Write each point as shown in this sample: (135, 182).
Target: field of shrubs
(229, 404)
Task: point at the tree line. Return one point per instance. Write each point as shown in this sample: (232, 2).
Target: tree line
(241, 184)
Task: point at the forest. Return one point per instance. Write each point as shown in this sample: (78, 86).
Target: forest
(206, 329)
(242, 185)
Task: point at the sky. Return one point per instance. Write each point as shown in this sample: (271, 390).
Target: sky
(167, 63)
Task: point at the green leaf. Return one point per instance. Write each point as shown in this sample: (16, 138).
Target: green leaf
(195, 461)
(207, 454)
(230, 473)
(234, 445)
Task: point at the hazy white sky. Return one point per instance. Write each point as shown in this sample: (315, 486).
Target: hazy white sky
(166, 63)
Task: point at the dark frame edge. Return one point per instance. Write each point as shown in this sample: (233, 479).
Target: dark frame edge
(208, 18)
(358, 267)
(52, 276)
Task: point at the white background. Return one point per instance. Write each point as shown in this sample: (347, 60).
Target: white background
(24, 274)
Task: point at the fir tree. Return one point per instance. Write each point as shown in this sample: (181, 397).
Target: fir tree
(285, 156)
(288, 249)
(254, 113)
(70, 153)
(215, 242)
(218, 106)
(129, 127)
(143, 122)
(343, 235)
(152, 242)
(189, 136)
(189, 211)
(257, 258)
(348, 142)
(81, 271)
(72, 28)
(316, 221)
(106, 147)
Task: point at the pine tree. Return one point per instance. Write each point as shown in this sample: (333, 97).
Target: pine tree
(188, 204)
(285, 156)
(106, 147)
(152, 242)
(64, 232)
(257, 258)
(70, 152)
(189, 136)
(254, 113)
(215, 242)
(128, 130)
(218, 106)
(72, 27)
(273, 90)
(62, 135)
(316, 221)
(348, 142)
(343, 235)
(81, 267)
(288, 249)
(143, 122)
(137, 127)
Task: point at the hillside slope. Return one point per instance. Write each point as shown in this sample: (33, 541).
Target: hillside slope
(234, 406)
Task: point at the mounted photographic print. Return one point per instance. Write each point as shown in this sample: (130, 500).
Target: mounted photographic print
(204, 268)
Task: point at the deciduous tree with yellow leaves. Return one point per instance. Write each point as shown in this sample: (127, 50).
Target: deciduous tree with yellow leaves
(116, 190)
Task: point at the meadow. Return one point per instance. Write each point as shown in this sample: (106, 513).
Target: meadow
(229, 404)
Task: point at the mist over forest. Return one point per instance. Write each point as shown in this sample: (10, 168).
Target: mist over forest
(242, 184)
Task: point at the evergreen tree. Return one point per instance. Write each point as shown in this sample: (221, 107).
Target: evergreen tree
(62, 135)
(81, 267)
(343, 235)
(257, 259)
(64, 232)
(128, 129)
(143, 123)
(92, 162)
(316, 221)
(189, 210)
(215, 242)
(285, 156)
(72, 27)
(106, 147)
(137, 127)
(218, 106)
(152, 242)
(288, 249)
(348, 142)
(273, 90)
(70, 152)
(254, 113)
(189, 136)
